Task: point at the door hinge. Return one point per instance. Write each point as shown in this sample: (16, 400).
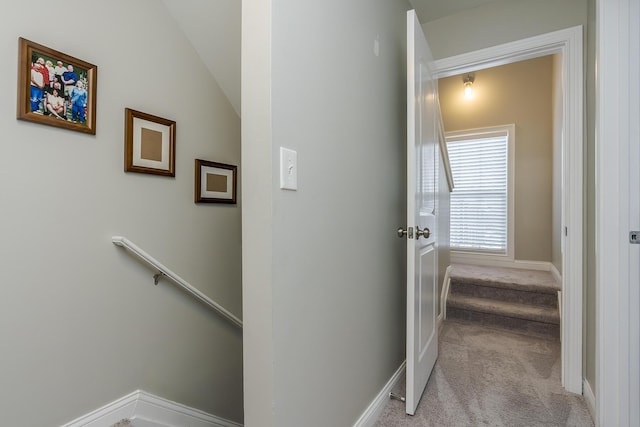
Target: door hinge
(634, 237)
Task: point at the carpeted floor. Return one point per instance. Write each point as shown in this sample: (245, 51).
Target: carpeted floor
(526, 280)
(491, 377)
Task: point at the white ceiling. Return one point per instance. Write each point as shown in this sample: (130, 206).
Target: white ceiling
(213, 28)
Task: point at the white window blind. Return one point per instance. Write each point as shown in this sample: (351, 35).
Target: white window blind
(479, 201)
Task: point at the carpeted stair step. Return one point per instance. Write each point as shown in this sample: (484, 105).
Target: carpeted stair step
(521, 318)
(504, 293)
(523, 326)
(516, 310)
(505, 278)
(515, 299)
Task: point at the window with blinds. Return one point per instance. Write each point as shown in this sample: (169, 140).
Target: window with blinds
(480, 199)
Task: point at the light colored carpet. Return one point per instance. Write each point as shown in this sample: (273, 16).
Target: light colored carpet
(526, 280)
(492, 377)
(523, 301)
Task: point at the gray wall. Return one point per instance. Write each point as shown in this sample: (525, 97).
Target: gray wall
(499, 22)
(80, 320)
(325, 282)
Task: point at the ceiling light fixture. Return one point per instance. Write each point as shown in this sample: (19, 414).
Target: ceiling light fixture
(468, 82)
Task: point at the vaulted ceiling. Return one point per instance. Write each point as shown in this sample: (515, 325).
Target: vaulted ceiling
(213, 28)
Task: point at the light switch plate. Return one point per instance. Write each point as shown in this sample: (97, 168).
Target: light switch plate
(288, 169)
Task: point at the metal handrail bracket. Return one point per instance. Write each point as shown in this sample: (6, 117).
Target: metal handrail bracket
(164, 271)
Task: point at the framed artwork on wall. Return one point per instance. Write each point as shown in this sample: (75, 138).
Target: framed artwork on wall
(215, 182)
(149, 144)
(56, 89)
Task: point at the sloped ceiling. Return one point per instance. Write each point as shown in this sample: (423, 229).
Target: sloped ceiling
(214, 29)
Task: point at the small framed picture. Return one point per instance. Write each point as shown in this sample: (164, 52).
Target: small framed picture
(56, 89)
(149, 144)
(215, 182)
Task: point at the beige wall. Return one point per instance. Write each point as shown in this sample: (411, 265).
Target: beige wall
(81, 322)
(518, 93)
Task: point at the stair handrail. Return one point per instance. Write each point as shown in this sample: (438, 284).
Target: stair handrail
(444, 151)
(164, 271)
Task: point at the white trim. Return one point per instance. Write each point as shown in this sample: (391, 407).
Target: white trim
(560, 313)
(444, 151)
(556, 274)
(377, 405)
(477, 259)
(590, 399)
(140, 405)
(109, 414)
(560, 308)
(568, 42)
(507, 53)
(446, 285)
(617, 133)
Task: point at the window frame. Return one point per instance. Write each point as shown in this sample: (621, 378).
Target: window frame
(470, 255)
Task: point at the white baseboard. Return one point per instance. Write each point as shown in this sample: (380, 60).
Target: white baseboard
(151, 410)
(560, 312)
(590, 398)
(555, 273)
(446, 284)
(533, 265)
(490, 261)
(376, 407)
(122, 408)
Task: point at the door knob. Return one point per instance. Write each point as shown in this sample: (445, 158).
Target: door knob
(424, 233)
(408, 232)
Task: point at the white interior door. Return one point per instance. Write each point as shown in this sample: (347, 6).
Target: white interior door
(422, 285)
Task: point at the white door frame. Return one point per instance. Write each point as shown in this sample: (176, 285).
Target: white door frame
(617, 213)
(568, 43)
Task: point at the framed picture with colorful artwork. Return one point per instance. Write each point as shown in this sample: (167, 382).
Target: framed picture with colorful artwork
(56, 89)
(149, 144)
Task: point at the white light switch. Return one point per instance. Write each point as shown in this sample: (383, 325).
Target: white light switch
(288, 169)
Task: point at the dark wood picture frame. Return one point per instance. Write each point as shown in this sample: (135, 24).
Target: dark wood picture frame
(149, 144)
(40, 85)
(215, 182)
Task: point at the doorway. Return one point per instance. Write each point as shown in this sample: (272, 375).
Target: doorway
(568, 45)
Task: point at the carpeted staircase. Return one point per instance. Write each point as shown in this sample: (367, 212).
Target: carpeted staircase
(519, 300)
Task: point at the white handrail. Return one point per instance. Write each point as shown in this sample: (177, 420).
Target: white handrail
(123, 242)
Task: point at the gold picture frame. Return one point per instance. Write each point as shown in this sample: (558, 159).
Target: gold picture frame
(215, 182)
(149, 144)
(55, 89)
